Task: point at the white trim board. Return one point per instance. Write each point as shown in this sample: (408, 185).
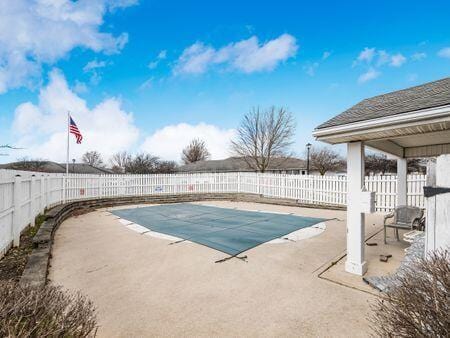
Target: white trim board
(404, 118)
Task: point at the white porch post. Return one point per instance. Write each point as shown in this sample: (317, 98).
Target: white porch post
(437, 230)
(355, 218)
(402, 184)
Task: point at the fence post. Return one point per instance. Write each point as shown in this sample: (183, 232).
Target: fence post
(238, 182)
(257, 183)
(48, 181)
(17, 210)
(42, 195)
(32, 199)
(64, 183)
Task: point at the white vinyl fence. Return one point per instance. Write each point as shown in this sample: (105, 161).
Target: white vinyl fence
(23, 195)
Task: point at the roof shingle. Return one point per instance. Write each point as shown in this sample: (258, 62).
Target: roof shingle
(428, 95)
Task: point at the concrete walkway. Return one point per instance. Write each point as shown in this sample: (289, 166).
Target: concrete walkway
(144, 287)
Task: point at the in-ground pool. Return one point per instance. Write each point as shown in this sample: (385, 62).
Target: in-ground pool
(230, 231)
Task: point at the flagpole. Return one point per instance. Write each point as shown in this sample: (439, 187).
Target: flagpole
(67, 159)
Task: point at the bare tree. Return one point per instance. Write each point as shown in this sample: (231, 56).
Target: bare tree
(263, 135)
(379, 164)
(195, 151)
(165, 167)
(417, 305)
(142, 164)
(417, 165)
(119, 161)
(92, 158)
(325, 159)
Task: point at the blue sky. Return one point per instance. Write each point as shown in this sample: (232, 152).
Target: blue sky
(150, 75)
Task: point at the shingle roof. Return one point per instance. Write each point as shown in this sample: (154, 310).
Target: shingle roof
(83, 168)
(233, 164)
(428, 95)
(53, 167)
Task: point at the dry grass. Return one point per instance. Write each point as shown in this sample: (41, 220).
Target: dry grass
(419, 305)
(44, 312)
(13, 263)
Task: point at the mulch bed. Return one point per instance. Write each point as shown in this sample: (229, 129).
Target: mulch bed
(13, 263)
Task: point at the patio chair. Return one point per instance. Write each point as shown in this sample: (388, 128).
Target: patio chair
(405, 217)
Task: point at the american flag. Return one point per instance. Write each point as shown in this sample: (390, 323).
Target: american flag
(73, 129)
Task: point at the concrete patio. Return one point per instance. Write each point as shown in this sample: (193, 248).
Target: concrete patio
(143, 286)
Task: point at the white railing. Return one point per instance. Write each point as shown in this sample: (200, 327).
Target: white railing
(23, 195)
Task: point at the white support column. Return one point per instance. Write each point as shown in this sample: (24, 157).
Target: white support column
(430, 204)
(402, 184)
(437, 230)
(355, 263)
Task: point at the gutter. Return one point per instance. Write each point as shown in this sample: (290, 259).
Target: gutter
(439, 114)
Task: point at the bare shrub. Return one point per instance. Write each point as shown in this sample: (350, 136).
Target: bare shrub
(419, 304)
(44, 312)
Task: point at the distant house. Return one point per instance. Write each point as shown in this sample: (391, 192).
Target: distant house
(288, 165)
(53, 167)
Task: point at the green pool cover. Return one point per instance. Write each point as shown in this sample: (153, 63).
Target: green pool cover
(228, 230)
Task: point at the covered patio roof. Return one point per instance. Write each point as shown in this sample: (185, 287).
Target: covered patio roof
(413, 122)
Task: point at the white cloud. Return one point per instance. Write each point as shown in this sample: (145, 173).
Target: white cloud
(378, 58)
(310, 69)
(373, 59)
(418, 56)
(33, 33)
(147, 84)
(41, 127)
(247, 56)
(367, 54)
(161, 56)
(94, 64)
(397, 60)
(152, 64)
(383, 57)
(80, 87)
(444, 53)
(326, 55)
(94, 69)
(169, 141)
(195, 59)
(114, 4)
(371, 74)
